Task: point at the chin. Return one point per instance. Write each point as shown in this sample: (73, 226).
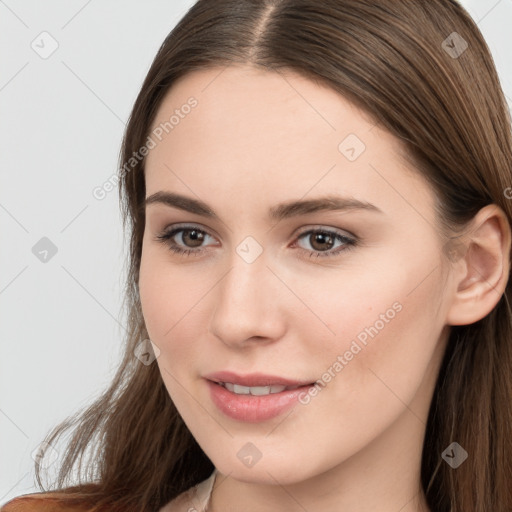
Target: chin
(270, 472)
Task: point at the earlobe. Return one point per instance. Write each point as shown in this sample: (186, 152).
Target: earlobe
(481, 273)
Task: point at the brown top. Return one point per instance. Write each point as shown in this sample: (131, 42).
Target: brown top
(41, 502)
(197, 497)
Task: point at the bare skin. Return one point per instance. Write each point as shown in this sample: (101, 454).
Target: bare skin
(254, 140)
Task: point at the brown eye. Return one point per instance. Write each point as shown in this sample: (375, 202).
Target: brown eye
(190, 240)
(322, 241)
(194, 236)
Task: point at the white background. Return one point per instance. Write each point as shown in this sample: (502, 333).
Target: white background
(61, 124)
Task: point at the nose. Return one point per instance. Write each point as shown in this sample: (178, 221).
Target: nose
(250, 304)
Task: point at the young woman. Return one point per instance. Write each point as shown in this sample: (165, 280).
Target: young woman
(318, 197)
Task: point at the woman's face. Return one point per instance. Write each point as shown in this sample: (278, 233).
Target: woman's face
(352, 297)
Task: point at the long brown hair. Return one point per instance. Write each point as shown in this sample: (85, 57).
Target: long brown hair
(407, 65)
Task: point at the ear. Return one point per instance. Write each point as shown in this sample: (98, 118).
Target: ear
(482, 270)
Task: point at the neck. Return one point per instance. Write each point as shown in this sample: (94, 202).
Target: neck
(384, 476)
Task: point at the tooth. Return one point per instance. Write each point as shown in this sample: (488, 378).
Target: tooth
(241, 390)
(260, 390)
(255, 390)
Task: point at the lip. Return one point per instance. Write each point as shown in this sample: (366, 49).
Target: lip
(251, 408)
(254, 379)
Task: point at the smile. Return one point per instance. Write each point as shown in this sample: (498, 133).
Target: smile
(255, 390)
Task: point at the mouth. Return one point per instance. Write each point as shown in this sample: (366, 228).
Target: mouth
(254, 398)
(238, 389)
(256, 384)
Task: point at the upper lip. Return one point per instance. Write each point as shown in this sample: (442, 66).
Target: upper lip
(254, 379)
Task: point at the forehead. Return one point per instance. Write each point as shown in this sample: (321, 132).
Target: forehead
(242, 96)
(277, 133)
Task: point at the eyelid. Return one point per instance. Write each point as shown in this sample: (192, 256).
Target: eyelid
(302, 230)
(320, 227)
(349, 240)
(189, 225)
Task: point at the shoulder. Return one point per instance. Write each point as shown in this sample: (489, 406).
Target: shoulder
(41, 502)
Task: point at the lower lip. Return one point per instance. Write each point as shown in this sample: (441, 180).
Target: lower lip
(251, 408)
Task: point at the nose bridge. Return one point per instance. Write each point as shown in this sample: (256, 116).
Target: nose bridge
(246, 297)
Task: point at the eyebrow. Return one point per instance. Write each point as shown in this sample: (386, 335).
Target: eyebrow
(276, 213)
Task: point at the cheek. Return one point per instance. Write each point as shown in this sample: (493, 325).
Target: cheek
(387, 330)
(173, 305)
(166, 293)
(167, 307)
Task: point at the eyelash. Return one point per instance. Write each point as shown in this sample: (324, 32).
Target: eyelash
(349, 243)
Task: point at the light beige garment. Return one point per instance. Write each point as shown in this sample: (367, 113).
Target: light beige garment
(195, 499)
